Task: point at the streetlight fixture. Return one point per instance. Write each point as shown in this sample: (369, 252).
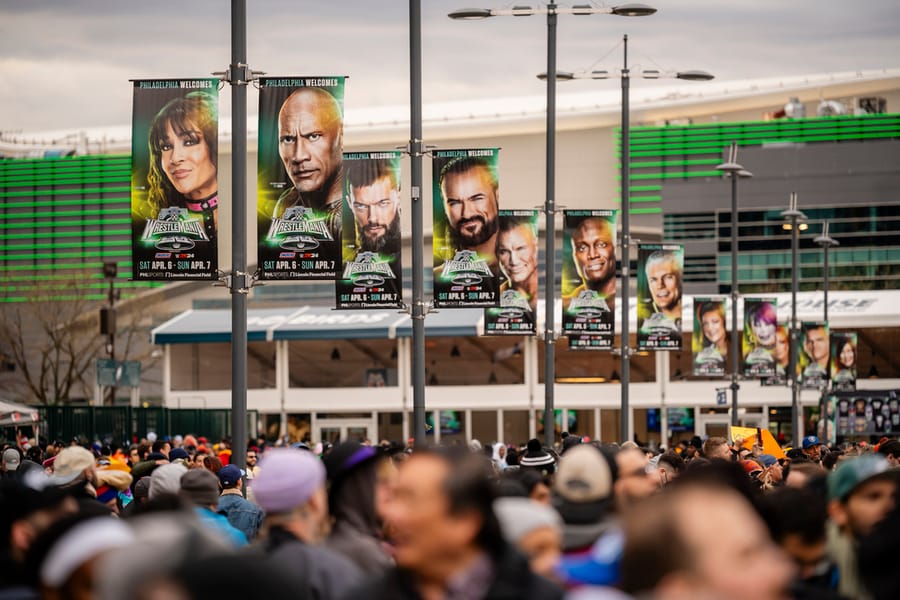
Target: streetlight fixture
(735, 171)
(625, 76)
(552, 10)
(794, 222)
(826, 242)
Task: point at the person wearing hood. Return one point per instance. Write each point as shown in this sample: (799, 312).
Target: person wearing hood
(351, 469)
(498, 456)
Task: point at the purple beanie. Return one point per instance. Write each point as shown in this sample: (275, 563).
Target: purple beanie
(287, 478)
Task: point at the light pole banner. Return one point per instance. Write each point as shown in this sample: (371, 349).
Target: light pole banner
(465, 199)
(782, 356)
(174, 179)
(300, 177)
(659, 289)
(517, 254)
(759, 341)
(814, 356)
(843, 361)
(709, 342)
(371, 272)
(589, 278)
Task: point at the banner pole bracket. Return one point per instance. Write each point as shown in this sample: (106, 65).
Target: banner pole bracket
(239, 74)
(416, 148)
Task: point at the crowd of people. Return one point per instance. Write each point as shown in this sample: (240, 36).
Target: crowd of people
(708, 519)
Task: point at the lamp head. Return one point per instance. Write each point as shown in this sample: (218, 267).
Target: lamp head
(633, 10)
(694, 75)
(471, 14)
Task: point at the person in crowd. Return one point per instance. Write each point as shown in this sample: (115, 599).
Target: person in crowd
(447, 540)
(534, 483)
(240, 512)
(536, 457)
(534, 529)
(201, 488)
(356, 533)
(669, 555)
(716, 447)
(891, 451)
(803, 473)
(583, 493)
(310, 143)
(861, 492)
(669, 466)
(634, 479)
(75, 469)
(796, 519)
(166, 480)
(184, 159)
(812, 448)
(12, 458)
(290, 487)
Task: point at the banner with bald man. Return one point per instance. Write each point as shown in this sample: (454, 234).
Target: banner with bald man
(589, 278)
(370, 273)
(517, 254)
(659, 291)
(465, 199)
(709, 342)
(300, 177)
(813, 360)
(174, 180)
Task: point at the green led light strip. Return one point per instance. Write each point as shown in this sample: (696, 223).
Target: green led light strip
(80, 191)
(126, 201)
(79, 223)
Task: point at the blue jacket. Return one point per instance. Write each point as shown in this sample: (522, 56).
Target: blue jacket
(241, 513)
(219, 523)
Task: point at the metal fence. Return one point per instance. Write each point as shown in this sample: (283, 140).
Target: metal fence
(124, 424)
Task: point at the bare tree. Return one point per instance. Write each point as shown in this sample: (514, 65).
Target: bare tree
(52, 340)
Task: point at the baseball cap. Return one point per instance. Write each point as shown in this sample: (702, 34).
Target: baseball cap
(810, 441)
(287, 478)
(584, 484)
(767, 460)
(229, 475)
(70, 463)
(852, 473)
(11, 459)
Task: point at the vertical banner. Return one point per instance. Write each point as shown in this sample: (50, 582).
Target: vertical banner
(760, 338)
(371, 271)
(174, 179)
(782, 356)
(300, 177)
(843, 361)
(660, 277)
(709, 342)
(465, 199)
(589, 278)
(814, 356)
(517, 255)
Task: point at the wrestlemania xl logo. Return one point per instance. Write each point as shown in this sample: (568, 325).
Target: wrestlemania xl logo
(173, 230)
(513, 305)
(588, 304)
(466, 268)
(368, 270)
(299, 229)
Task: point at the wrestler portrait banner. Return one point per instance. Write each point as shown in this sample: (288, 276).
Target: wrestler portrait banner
(760, 337)
(659, 294)
(517, 255)
(465, 200)
(709, 340)
(300, 177)
(814, 355)
(589, 278)
(781, 353)
(371, 272)
(174, 180)
(843, 361)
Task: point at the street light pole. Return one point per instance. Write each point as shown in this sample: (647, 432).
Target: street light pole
(734, 170)
(550, 235)
(416, 150)
(793, 217)
(826, 242)
(625, 410)
(552, 11)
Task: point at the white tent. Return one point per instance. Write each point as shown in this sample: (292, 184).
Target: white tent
(13, 415)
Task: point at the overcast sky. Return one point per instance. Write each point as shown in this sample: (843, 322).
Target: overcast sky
(66, 63)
